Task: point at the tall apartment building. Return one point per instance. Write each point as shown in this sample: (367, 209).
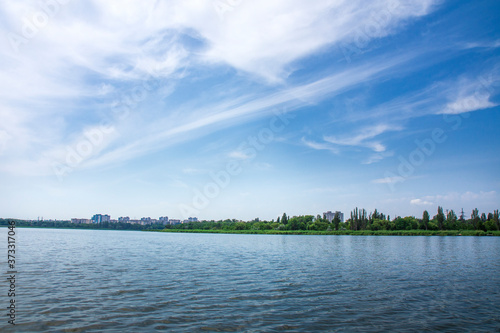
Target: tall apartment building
(80, 221)
(98, 218)
(329, 216)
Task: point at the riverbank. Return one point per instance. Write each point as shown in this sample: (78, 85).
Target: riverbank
(345, 232)
(302, 232)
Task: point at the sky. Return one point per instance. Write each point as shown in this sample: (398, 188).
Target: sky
(243, 109)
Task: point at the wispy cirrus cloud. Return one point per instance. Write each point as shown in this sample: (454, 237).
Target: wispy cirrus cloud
(482, 44)
(109, 47)
(469, 103)
(364, 137)
(178, 85)
(420, 202)
(176, 127)
(472, 94)
(379, 156)
(467, 92)
(388, 180)
(463, 198)
(320, 146)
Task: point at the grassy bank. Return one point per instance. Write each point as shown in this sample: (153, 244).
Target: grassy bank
(346, 232)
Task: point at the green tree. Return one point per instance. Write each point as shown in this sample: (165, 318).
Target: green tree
(354, 219)
(363, 218)
(425, 219)
(284, 219)
(496, 219)
(336, 220)
(475, 218)
(440, 218)
(294, 223)
(451, 219)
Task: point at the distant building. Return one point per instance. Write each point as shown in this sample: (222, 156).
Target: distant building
(81, 221)
(163, 219)
(175, 221)
(146, 220)
(124, 219)
(330, 216)
(192, 219)
(99, 218)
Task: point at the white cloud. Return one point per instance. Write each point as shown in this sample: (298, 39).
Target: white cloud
(472, 94)
(420, 202)
(377, 157)
(263, 166)
(193, 171)
(388, 180)
(239, 155)
(453, 96)
(457, 199)
(264, 37)
(471, 196)
(176, 127)
(322, 190)
(94, 48)
(485, 44)
(362, 138)
(469, 103)
(319, 146)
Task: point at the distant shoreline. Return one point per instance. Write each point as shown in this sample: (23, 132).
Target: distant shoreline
(343, 232)
(301, 232)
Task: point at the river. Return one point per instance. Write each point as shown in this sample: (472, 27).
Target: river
(128, 281)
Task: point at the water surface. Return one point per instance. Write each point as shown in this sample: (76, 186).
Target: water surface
(116, 281)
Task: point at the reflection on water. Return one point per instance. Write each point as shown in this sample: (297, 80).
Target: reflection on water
(115, 281)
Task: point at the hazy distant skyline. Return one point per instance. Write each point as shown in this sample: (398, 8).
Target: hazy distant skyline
(245, 109)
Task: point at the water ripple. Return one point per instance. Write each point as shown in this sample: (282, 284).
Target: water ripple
(111, 281)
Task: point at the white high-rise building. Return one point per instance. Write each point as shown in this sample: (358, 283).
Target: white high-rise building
(98, 218)
(330, 216)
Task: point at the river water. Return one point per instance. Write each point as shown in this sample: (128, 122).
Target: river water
(128, 281)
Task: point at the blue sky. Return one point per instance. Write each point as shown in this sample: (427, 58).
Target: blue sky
(244, 109)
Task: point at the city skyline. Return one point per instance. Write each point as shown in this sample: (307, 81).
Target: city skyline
(239, 109)
(329, 215)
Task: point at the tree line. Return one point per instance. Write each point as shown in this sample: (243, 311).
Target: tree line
(70, 225)
(359, 219)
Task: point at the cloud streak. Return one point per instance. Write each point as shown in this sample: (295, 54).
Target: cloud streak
(363, 138)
